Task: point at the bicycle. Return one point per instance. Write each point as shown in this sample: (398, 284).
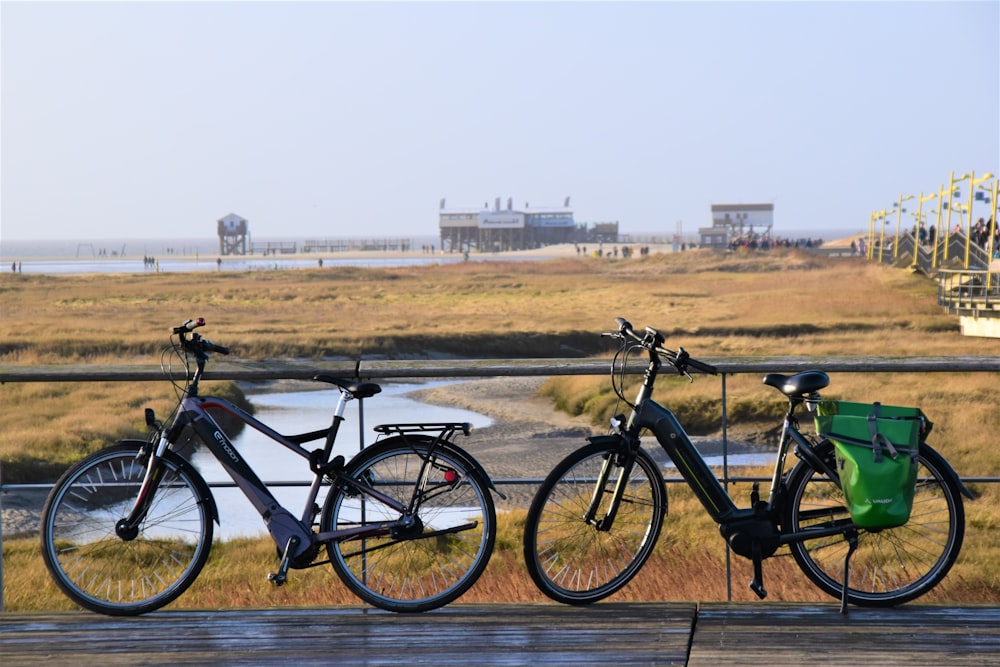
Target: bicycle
(408, 523)
(597, 516)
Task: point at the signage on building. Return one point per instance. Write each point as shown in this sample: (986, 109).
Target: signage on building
(758, 216)
(501, 220)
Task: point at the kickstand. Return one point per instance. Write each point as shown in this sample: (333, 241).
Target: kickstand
(852, 546)
(281, 576)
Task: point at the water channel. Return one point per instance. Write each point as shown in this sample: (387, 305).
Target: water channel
(301, 411)
(308, 407)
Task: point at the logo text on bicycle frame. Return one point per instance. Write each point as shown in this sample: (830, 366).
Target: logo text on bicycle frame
(221, 439)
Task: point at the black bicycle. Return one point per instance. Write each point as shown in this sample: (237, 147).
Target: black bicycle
(408, 523)
(597, 516)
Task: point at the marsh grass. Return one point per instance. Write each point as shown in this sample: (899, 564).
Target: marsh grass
(689, 563)
(714, 305)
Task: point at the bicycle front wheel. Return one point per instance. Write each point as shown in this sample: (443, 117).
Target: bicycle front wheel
(117, 573)
(893, 565)
(451, 527)
(577, 560)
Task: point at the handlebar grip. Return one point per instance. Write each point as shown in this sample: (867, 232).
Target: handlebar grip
(683, 362)
(702, 367)
(190, 325)
(212, 347)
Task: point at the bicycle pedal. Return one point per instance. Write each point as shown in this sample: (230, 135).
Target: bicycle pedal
(276, 578)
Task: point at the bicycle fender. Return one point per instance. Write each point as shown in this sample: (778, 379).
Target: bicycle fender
(463, 456)
(471, 462)
(612, 439)
(184, 464)
(964, 490)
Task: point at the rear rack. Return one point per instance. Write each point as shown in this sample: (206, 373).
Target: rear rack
(446, 429)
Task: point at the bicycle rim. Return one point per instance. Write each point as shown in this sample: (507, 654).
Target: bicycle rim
(125, 577)
(442, 555)
(571, 560)
(893, 565)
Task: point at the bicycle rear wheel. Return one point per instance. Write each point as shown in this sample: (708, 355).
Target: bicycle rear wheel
(126, 574)
(893, 565)
(575, 561)
(447, 547)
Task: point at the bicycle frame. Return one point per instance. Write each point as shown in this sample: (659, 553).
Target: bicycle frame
(281, 523)
(752, 531)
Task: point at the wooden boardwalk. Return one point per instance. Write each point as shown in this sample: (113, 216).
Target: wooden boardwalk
(605, 634)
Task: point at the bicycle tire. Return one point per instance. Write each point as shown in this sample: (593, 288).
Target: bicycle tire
(111, 575)
(893, 565)
(424, 568)
(571, 560)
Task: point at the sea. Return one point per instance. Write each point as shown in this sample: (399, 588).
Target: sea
(146, 255)
(69, 256)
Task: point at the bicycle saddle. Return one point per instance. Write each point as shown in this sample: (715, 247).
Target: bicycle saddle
(357, 389)
(798, 385)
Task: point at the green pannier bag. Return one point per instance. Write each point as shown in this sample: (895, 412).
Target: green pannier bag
(876, 451)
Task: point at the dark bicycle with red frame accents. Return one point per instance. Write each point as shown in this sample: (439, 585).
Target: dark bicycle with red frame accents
(408, 523)
(596, 518)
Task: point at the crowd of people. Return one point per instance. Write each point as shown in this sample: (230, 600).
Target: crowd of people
(764, 242)
(926, 236)
(980, 235)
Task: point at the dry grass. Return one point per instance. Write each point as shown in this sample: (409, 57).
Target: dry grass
(720, 305)
(686, 565)
(714, 305)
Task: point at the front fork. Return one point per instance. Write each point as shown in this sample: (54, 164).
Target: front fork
(622, 458)
(128, 528)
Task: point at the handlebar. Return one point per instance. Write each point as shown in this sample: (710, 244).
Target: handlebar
(194, 342)
(653, 341)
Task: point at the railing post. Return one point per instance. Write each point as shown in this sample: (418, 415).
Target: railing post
(725, 483)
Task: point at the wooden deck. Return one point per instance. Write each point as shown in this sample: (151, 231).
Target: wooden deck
(673, 633)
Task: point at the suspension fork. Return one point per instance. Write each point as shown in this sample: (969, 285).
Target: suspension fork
(622, 457)
(128, 527)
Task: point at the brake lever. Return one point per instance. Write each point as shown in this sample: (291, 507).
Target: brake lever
(680, 363)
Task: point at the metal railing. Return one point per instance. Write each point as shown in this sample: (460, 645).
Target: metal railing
(965, 292)
(389, 370)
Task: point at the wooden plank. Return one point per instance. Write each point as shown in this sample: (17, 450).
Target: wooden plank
(536, 635)
(482, 635)
(793, 634)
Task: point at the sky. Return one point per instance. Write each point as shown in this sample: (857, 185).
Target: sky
(330, 119)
